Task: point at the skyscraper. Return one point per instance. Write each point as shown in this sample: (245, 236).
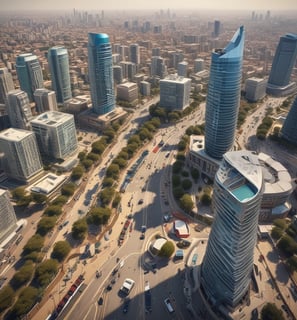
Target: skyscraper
(56, 134)
(59, 67)
(282, 66)
(18, 109)
(134, 53)
(223, 96)
(228, 262)
(8, 220)
(45, 100)
(100, 73)
(21, 159)
(29, 73)
(288, 130)
(217, 28)
(6, 84)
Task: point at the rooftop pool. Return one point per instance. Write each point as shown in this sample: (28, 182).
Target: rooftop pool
(243, 192)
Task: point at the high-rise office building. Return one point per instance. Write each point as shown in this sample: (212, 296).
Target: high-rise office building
(59, 67)
(8, 220)
(56, 134)
(45, 100)
(223, 96)
(6, 84)
(135, 53)
(255, 89)
(198, 65)
(182, 69)
(21, 158)
(158, 67)
(217, 28)
(18, 109)
(129, 69)
(175, 92)
(226, 270)
(117, 74)
(288, 130)
(100, 73)
(29, 73)
(282, 66)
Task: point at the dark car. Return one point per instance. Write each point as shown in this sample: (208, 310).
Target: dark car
(100, 301)
(140, 201)
(142, 236)
(126, 306)
(183, 244)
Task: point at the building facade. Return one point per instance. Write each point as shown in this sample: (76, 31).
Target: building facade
(223, 96)
(127, 91)
(100, 73)
(175, 92)
(255, 89)
(56, 134)
(6, 84)
(8, 220)
(18, 109)
(228, 262)
(21, 160)
(29, 73)
(282, 66)
(182, 69)
(288, 130)
(59, 67)
(45, 100)
(135, 53)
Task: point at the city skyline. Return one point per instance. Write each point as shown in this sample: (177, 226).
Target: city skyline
(153, 5)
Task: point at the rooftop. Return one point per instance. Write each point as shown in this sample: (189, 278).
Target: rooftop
(13, 134)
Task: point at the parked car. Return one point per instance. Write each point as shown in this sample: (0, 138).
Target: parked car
(126, 305)
(183, 244)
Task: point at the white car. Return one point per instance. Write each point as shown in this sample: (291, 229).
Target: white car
(127, 286)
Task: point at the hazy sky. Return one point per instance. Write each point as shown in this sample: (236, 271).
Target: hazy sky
(148, 4)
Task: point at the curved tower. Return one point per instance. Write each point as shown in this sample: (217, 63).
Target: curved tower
(227, 265)
(289, 131)
(100, 73)
(59, 66)
(223, 96)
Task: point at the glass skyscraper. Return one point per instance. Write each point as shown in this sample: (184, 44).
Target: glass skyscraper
(6, 84)
(288, 130)
(101, 73)
(29, 73)
(223, 96)
(59, 67)
(282, 66)
(228, 262)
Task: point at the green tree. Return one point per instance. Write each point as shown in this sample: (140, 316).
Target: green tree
(186, 203)
(99, 215)
(120, 162)
(46, 271)
(116, 200)
(87, 163)
(110, 134)
(195, 174)
(68, 189)
(18, 193)
(53, 211)
(182, 145)
(175, 180)
(178, 192)
(27, 298)
(113, 171)
(287, 245)
(38, 197)
(35, 243)
(280, 223)
(187, 184)
(61, 250)
(276, 233)
(59, 201)
(93, 156)
(23, 275)
(107, 182)
(98, 147)
(167, 249)
(106, 196)
(81, 156)
(79, 229)
(271, 312)
(206, 199)
(292, 263)
(46, 224)
(77, 172)
(177, 166)
(6, 297)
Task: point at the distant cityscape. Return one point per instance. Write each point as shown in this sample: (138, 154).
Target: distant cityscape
(88, 104)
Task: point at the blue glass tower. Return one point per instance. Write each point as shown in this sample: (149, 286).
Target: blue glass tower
(223, 96)
(289, 131)
(282, 66)
(59, 67)
(29, 73)
(100, 73)
(228, 262)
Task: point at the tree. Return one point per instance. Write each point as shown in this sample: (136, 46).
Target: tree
(206, 199)
(23, 275)
(6, 297)
(107, 182)
(61, 250)
(287, 245)
(77, 172)
(144, 134)
(46, 271)
(59, 201)
(81, 156)
(38, 197)
(120, 162)
(271, 312)
(46, 224)
(109, 133)
(27, 298)
(68, 189)
(87, 163)
(292, 263)
(182, 145)
(98, 147)
(53, 210)
(276, 233)
(281, 223)
(178, 192)
(99, 216)
(113, 171)
(187, 184)
(175, 180)
(186, 202)
(79, 229)
(195, 174)
(18, 193)
(117, 200)
(93, 156)
(177, 166)
(35, 243)
(167, 249)
(106, 196)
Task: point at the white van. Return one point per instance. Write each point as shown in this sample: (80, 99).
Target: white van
(168, 305)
